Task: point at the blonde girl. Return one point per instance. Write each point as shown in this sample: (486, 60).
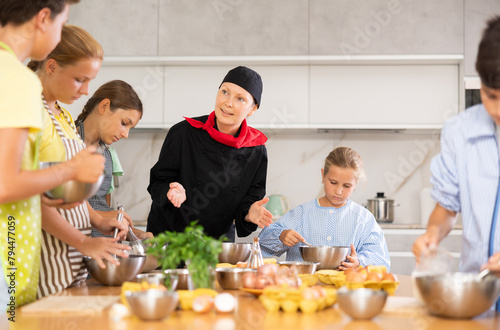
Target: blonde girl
(65, 75)
(332, 220)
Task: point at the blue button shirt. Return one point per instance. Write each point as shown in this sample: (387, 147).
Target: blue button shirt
(328, 226)
(465, 176)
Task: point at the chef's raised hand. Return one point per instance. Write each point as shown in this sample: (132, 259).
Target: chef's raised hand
(259, 215)
(353, 261)
(87, 164)
(99, 248)
(290, 237)
(176, 194)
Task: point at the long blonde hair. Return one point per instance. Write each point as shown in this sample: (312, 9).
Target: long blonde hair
(76, 44)
(345, 157)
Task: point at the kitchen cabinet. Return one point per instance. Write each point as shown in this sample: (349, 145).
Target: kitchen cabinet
(381, 27)
(400, 242)
(147, 81)
(383, 96)
(191, 90)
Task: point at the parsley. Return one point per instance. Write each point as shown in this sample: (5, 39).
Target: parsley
(199, 251)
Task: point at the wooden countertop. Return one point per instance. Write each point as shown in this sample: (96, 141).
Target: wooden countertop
(401, 312)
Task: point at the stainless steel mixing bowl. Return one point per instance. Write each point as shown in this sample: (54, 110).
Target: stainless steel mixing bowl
(302, 267)
(115, 275)
(72, 191)
(234, 252)
(152, 304)
(362, 304)
(329, 257)
(457, 295)
(230, 278)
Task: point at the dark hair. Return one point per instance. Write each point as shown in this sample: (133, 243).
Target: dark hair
(488, 55)
(18, 12)
(76, 44)
(120, 94)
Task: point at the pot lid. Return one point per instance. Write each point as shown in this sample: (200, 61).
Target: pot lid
(380, 196)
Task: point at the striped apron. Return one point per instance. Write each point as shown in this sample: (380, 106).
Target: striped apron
(62, 265)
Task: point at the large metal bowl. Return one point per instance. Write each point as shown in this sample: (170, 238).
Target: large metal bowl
(72, 191)
(362, 304)
(152, 304)
(457, 295)
(329, 257)
(115, 275)
(302, 267)
(230, 278)
(234, 252)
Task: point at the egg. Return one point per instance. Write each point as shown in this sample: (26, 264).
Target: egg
(203, 303)
(249, 280)
(310, 293)
(241, 264)
(389, 277)
(321, 291)
(356, 277)
(224, 303)
(374, 276)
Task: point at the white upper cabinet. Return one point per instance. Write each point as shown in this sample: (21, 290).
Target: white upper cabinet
(191, 90)
(148, 83)
(383, 96)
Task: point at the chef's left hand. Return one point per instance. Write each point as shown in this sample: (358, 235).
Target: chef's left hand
(493, 264)
(353, 260)
(259, 215)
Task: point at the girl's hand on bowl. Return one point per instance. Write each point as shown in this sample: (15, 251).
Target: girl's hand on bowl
(88, 165)
(59, 203)
(353, 261)
(99, 248)
(290, 237)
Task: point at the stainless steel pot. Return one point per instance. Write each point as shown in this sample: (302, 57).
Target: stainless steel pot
(382, 208)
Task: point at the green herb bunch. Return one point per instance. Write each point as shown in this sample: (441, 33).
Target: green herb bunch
(199, 252)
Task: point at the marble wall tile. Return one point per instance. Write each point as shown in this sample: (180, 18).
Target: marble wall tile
(122, 27)
(233, 27)
(342, 27)
(397, 164)
(477, 13)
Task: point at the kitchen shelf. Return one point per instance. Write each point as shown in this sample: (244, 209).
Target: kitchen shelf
(282, 60)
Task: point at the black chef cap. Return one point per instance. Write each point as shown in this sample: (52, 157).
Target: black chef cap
(247, 79)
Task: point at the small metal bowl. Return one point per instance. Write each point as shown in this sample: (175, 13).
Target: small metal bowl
(115, 275)
(361, 304)
(457, 295)
(232, 253)
(184, 281)
(230, 278)
(329, 257)
(152, 304)
(302, 267)
(72, 191)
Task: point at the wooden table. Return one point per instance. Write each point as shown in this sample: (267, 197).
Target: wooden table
(250, 314)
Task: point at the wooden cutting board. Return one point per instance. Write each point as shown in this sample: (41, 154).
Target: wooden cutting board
(70, 304)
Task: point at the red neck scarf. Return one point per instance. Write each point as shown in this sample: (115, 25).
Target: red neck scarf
(248, 137)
